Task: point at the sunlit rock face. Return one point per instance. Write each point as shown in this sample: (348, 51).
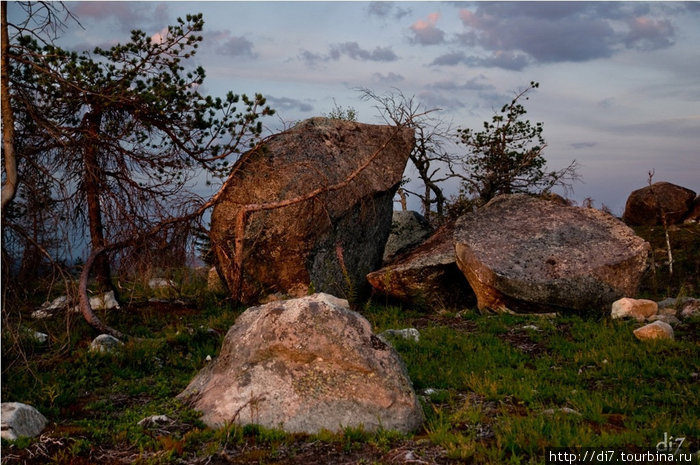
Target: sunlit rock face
(525, 254)
(330, 241)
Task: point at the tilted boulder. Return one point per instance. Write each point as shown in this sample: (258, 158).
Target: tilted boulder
(524, 254)
(329, 241)
(304, 365)
(427, 275)
(656, 330)
(645, 206)
(408, 229)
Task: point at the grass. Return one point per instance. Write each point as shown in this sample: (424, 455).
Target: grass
(503, 388)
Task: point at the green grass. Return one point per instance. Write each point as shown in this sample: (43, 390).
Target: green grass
(495, 382)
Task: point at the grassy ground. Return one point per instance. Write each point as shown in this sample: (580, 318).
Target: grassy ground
(500, 389)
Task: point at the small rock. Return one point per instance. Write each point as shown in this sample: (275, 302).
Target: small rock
(552, 411)
(639, 309)
(160, 283)
(208, 358)
(532, 327)
(655, 330)
(20, 420)
(36, 336)
(668, 311)
(670, 319)
(49, 308)
(105, 343)
(429, 391)
(410, 334)
(155, 420)
(106, 301)
(690, 309)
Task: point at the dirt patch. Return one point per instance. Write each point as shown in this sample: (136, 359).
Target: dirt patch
(521, 340)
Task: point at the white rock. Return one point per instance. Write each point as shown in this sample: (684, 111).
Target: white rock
(40, 338)
(155, 420)
(304, 365)
(655, 330)
(105, 343)
(47, 309)
(639, 309)
(20, 420)
(106, 301)
(160, 283)
(532, 327)
(567, 410)
(410, 334)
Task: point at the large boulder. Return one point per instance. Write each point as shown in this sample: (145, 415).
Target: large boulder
(525, 254)
(329, 241)
(408, 229)
(304, 365)
(427, 276)
(644, 206)
(21, 420)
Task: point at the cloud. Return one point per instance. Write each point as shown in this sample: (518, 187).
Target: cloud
(351, 50)
(354, 51)
(386, 10)
(648, 34)
(230, 45)
(500, 59)
(513, 35)
(582, 145)
(425, 32)
(288, 104)
(475, 83)
(433, 99)
(125, 14)
(388, 79)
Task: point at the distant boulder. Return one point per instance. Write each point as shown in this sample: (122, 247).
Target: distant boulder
(427, 276)
(330, 241)
(694, 215)
(644, 206)
(408, 229)
(524, 254)
(304, 365)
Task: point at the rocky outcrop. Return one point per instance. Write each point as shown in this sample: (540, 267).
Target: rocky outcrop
(645, 206)
(21, 420)
(304, 365)
(427, 276)
(525, 254)
(329, 241)
(408, 229)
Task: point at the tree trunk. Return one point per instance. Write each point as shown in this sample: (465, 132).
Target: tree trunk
(92, 193)
(9, 189)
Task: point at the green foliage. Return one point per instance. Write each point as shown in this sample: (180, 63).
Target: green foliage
(506, 156)
(342, 113)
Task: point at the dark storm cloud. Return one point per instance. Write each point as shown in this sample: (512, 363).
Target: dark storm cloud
(351, 50)
(516, 34)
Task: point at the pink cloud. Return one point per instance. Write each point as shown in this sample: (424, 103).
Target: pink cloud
(426, 32)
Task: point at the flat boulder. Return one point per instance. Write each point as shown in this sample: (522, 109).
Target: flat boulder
(644, 206)
(427, 276)
(304, 365)
(523, 254)
(347, 172)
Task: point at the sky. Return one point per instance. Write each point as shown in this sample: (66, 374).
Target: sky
(619, 81)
